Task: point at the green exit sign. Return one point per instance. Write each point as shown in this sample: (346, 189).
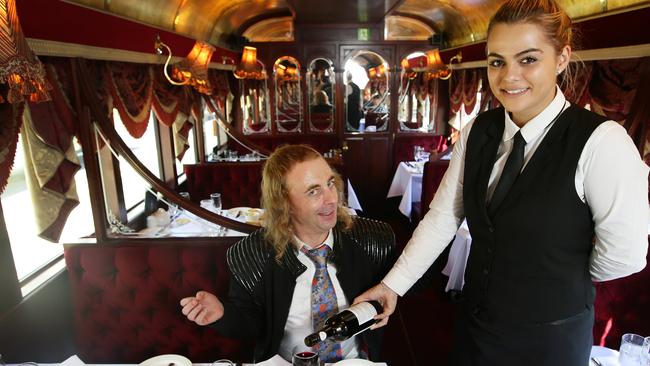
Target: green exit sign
(363, 34)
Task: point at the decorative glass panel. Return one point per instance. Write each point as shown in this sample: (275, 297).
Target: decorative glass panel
(288, 107)
(321, 79)
(367, 98)
(254, 102)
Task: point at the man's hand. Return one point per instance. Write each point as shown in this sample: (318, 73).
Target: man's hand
(203, 309)
(385, 296)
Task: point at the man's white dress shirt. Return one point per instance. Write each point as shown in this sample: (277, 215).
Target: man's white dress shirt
(299, 322)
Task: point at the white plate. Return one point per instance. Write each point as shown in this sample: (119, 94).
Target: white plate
(165, 360)
(356, 362)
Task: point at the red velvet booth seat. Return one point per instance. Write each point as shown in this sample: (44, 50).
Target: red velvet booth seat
(238, 182)
(432, 175)
(622, 306)
(126, 301)
(322, 142)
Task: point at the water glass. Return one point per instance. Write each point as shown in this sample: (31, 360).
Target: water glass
(630, 351)
(216, 201)
(645, 351)
(185, 195)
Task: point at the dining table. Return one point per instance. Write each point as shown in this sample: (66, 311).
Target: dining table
(185, 224)
(600, 356)
(178, 360)
(407, 183)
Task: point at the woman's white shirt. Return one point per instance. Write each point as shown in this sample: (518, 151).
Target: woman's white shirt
(611, 178)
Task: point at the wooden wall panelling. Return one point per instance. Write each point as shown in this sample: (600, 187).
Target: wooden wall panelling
(367, 167)
(327, 51)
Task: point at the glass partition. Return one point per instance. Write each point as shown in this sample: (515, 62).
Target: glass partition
(367, 100)
(288, 108)
(321, 88)
(417, 95)
(254, 102)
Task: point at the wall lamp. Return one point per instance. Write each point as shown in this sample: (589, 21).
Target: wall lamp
(250, 67)
(193, 70)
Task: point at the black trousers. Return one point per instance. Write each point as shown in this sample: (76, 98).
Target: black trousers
(479, 341)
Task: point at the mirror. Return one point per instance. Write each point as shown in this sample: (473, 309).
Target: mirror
(288, 111)
(320, 86)
(254, 102)
(367, 100)
(417, 93)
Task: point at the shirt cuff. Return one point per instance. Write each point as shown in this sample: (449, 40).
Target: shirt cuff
(397, 281)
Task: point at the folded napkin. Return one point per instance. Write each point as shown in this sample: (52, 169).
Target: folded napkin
(73, 360)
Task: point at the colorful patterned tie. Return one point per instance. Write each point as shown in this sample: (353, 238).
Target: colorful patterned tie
(323, 302)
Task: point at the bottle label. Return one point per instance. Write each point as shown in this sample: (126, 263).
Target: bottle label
(364, 311)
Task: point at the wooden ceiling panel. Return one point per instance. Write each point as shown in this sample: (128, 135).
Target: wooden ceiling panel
(462, 21)
(341, 11)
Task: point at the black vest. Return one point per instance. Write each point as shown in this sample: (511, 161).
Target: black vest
(529, 263)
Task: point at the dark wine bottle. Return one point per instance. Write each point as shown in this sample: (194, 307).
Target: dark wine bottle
(346, 323)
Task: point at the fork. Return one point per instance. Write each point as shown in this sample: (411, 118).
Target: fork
(596, 362)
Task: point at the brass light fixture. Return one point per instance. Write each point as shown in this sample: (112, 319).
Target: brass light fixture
(437, 68)
(19, 67)
(250, 67)
(193, 70)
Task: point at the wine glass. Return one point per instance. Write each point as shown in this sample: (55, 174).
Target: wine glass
(304, 356)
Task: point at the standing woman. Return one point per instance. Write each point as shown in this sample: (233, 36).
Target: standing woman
(555, 196)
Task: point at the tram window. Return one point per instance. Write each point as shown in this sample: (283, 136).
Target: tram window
(459, 120)
(30, 252)
(190, 154)
(144, 148)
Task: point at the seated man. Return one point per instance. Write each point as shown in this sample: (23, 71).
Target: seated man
(283, 274)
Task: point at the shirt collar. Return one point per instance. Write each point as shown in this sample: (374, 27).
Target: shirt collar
(533, 128)
(329, 241)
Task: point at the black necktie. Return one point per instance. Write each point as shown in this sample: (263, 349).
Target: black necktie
(510, 173)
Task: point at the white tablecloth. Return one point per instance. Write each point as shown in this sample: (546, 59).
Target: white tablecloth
(189, 225)
(353, 201)
(457, 261)
(407, 183)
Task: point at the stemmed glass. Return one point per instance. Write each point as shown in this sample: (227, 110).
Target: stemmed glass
(304, 356)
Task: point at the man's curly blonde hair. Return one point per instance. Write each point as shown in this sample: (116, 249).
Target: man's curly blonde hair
(275, 195)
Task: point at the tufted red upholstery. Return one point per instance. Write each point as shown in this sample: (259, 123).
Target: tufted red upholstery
(126, 300)
(322, 142)
(238, 183)
(622, 306)
(432, 175)
(403, 146)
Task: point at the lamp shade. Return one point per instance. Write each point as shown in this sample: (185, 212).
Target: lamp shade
(434, 61)
(194, 69)
(19, 67)
(249, 67)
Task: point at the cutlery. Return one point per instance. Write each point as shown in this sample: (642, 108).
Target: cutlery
(596, 362)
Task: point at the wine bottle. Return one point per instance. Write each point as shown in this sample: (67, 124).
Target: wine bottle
(346, 323)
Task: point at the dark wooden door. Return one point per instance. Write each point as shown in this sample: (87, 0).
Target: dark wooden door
(367, 165)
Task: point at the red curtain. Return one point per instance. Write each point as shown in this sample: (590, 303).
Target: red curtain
(613, 85)
(11, 115)
(131, 86)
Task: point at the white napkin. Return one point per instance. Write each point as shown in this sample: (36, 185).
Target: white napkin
(73, 360)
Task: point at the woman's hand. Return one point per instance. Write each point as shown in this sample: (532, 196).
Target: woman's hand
(203, 309)
(385, 296)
